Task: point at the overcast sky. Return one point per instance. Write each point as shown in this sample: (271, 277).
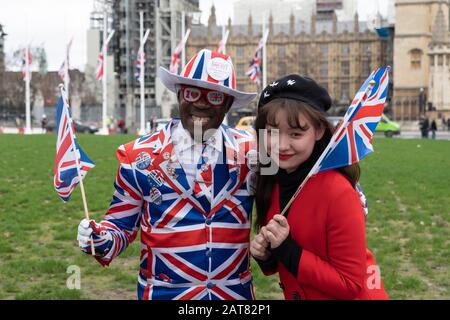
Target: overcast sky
(54, 22)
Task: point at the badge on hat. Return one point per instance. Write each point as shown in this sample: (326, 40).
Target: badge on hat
(155, 196)
(143, 160)
(219, 69)
(155, 179)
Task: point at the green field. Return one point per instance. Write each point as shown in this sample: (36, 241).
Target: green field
(407, 183)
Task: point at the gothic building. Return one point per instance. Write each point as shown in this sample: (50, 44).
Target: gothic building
(338, 54)
(421, 59)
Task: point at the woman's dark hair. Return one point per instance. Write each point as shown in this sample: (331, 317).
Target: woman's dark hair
(295, 109)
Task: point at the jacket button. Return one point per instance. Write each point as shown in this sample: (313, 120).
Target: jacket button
(296, 296)
(208, 253)
(209, 285)
(208, 221)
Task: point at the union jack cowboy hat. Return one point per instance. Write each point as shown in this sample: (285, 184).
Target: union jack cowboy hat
(211, 70)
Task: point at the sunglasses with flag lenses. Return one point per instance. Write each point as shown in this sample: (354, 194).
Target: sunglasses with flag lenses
(193, 94)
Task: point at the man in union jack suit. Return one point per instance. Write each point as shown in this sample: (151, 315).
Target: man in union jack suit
(189, 188)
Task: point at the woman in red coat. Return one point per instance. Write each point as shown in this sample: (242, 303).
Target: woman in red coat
(319, 247)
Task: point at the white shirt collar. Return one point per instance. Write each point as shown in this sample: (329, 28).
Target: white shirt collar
(183, 139)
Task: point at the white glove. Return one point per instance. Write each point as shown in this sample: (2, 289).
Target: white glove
(90, 230)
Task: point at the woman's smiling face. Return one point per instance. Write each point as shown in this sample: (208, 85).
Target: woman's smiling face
(290, 146)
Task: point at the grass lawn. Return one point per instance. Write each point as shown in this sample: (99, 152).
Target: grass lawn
(407, 183)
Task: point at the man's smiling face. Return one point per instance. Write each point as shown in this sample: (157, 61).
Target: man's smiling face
(202, 110)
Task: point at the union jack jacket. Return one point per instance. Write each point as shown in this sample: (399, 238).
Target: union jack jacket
(189, 249)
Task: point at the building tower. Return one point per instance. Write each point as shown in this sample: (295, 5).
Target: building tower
(439, 53)
(164, 19)
(413, 35)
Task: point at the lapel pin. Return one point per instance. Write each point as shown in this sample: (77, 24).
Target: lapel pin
(155, 196)
(143, 160)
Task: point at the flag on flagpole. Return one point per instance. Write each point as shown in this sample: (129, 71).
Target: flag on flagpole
(254, 69)
(176, 54)
(222, 43)
(69, 156)
(26, 71)
(64, 69)
(99, 70)
(352, 141)
(140, 57)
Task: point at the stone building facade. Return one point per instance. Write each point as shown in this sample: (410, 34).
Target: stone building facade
(338, 54)
(421, 59)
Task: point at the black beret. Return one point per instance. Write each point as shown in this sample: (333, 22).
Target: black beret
(297, 87)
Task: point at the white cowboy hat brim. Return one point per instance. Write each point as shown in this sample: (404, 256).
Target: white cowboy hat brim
(171, 80)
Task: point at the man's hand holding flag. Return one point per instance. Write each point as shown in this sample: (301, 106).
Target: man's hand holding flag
(71, 163)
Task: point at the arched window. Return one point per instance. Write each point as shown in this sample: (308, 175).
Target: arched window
(416, 58)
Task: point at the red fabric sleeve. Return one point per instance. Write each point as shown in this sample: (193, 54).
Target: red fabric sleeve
(342, 276)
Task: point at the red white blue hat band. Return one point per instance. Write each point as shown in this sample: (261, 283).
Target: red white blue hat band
(210, 70)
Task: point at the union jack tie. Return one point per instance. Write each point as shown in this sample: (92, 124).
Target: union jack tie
(203, 181)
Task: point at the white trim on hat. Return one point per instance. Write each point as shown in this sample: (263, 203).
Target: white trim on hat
(171, 80)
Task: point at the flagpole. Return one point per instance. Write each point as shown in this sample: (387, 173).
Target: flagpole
(66, 71)
(183, 31)
(105, 74)
(264, 52)
(316, 166)
(27, 91)
(223, 39)
(77, 162)
(141, 56)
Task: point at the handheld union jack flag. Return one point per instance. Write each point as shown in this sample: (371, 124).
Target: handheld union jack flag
(71, 162)
(352, 141)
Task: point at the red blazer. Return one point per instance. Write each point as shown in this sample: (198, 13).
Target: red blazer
(327, 221)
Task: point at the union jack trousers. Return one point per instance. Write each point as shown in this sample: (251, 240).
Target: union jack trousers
(189, 250)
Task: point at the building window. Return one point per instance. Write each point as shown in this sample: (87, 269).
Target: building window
(416, 58)
(366, 67)
(281, 52)
(440, 60)
(345, 49)
(344, 91)
(323, 49)
(240, 52)
(323, 69)
(241, 69)
(303, 66)
(282, 69)
(302, 50)
(345, 68)
(366, 48)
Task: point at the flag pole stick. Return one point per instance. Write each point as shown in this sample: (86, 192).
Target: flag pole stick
(77, 160)
(316, 166)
